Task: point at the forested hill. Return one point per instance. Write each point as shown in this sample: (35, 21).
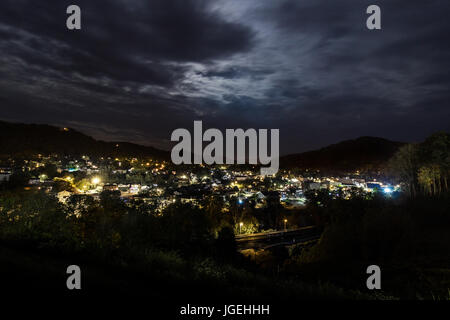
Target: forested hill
(365, 153)
(17, 139)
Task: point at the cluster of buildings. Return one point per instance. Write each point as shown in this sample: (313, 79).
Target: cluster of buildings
(160, 183)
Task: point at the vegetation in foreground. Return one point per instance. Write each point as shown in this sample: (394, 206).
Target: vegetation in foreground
(135, 253)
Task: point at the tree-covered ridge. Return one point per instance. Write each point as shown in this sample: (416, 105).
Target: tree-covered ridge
(18, 139)
(368, 154)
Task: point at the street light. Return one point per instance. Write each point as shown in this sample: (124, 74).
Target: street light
(95, 180)
(285, 221)
(240, 227)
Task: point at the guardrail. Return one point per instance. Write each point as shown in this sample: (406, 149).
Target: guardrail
(273, 234)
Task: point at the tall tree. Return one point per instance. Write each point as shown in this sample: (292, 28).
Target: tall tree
(405, 165)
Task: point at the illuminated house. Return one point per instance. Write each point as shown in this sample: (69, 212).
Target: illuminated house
(5, 174)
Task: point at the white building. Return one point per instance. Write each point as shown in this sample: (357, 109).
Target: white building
(4, 176)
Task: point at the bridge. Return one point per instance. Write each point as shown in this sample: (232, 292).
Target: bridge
(267, 240)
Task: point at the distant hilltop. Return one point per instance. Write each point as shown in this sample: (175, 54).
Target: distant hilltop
(18, 139)
(365, 154)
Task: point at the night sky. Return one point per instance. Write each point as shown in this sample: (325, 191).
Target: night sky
(140, 69)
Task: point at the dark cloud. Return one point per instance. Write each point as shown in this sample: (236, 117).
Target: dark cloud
(139, 69)
(122, 40)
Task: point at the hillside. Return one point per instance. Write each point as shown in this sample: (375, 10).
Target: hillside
(18, 139)
(365, 154)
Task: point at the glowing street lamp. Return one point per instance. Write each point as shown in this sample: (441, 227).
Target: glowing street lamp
(240, 227)
(285, 221)
(95, 180)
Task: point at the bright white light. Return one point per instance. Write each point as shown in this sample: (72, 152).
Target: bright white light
(387, 190)
(95, 180)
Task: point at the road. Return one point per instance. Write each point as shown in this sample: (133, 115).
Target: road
(268, 240)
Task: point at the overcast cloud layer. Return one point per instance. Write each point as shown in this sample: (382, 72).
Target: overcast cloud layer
(139, 69)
